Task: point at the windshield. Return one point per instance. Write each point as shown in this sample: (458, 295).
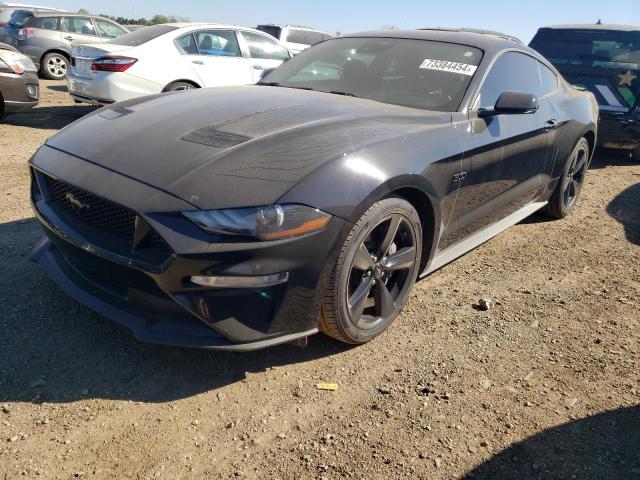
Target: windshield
(19, 18)
(412, 73)
(139, 37)
(586, 57)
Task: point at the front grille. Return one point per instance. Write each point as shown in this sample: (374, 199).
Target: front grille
(104, 223)
(93, 211)
(99, 279)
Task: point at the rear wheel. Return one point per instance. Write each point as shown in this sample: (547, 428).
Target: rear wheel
(565, 196)
(179, 86)
(55, 66)
(375, 272)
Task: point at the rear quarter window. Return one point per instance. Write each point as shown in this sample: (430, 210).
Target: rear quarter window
(46, 23)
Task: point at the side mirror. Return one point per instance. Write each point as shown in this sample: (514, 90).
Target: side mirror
(510, 103)
(266, 72)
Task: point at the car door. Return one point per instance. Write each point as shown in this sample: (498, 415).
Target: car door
(508, 155)
(263, 52)
(79, 30)
(219, 60)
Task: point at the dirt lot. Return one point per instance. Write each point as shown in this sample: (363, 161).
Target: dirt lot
(545, 385)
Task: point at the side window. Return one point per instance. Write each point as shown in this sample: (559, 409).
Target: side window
(512, 71)
(109, 29)
(47, 23)
(187, 45)
(548, 78)
(298, 36)
(314, 37)
(218, 43)
(79, 25)
(263, 47)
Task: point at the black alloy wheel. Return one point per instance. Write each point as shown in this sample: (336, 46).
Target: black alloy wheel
(565, 196)
(375, 273)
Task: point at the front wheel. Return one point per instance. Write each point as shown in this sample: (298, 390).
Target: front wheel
(564, 198)
(375, 272)
(55, 66)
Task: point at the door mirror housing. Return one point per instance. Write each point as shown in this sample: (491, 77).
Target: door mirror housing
(512, 103)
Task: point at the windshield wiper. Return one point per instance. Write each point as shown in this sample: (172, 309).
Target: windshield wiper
(269, 84)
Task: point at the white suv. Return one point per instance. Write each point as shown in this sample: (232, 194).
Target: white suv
(295, 38)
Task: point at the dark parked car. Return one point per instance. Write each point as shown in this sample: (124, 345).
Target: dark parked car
(47, 37)
(242, 217)
(604, 59)
(19, 85)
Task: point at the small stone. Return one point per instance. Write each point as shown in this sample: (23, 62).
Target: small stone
(195, 423)
(485, 304)
(384, 390)
(484, 444)
(13, 439)
(570, 402)
(472, 449)
(67, 442)
(535, 324)
(282, 436)
(437, 462)
(5, 408)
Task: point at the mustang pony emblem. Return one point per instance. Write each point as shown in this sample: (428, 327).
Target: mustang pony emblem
(75, 203)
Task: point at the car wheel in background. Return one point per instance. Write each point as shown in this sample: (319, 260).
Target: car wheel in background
(55, 66)
(179, 86)
(565, 196)
(375, 272)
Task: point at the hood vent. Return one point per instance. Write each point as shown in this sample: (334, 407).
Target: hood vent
(215, 138)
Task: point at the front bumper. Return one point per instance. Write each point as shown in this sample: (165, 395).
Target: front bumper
(20, 92)
(154, 299)
(105, 88)
(619, 130)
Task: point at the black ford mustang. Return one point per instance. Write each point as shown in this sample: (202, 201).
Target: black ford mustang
(239, 218)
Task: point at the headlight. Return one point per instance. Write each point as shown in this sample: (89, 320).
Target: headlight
(266, 223)
(17, 62)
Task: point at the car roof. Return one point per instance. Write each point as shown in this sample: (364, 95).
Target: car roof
(482, 39)
(595, 26)
(20, 6)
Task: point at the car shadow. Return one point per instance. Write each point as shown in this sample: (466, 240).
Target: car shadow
(48, 118)
(604, 446)
(625, 208)
(58, 88)
(54, 350)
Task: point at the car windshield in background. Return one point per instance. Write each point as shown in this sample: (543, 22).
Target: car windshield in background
(272, 30)
(586, 57)
(412, 73)
(139, 37)
(590, 48)
(19, 19)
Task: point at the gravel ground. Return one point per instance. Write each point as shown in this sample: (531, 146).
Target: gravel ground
(545, 385)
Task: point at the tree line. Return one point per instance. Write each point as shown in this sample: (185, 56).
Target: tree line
(155, 20)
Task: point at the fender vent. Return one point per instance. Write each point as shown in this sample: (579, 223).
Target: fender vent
(215, 138)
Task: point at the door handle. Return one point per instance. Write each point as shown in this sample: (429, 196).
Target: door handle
(258, 67)
(551, 124)
(68, 37)
(197, 62)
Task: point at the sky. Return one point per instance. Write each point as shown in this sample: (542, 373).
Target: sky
(515, 17)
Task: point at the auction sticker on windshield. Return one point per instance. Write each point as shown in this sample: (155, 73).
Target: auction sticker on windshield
(445, 66)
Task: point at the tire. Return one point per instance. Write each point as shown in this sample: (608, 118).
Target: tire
(179, 86)
(55, 66)
(565, 196)
(374, 274)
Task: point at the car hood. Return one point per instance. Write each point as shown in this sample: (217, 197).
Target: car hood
(236, 146)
